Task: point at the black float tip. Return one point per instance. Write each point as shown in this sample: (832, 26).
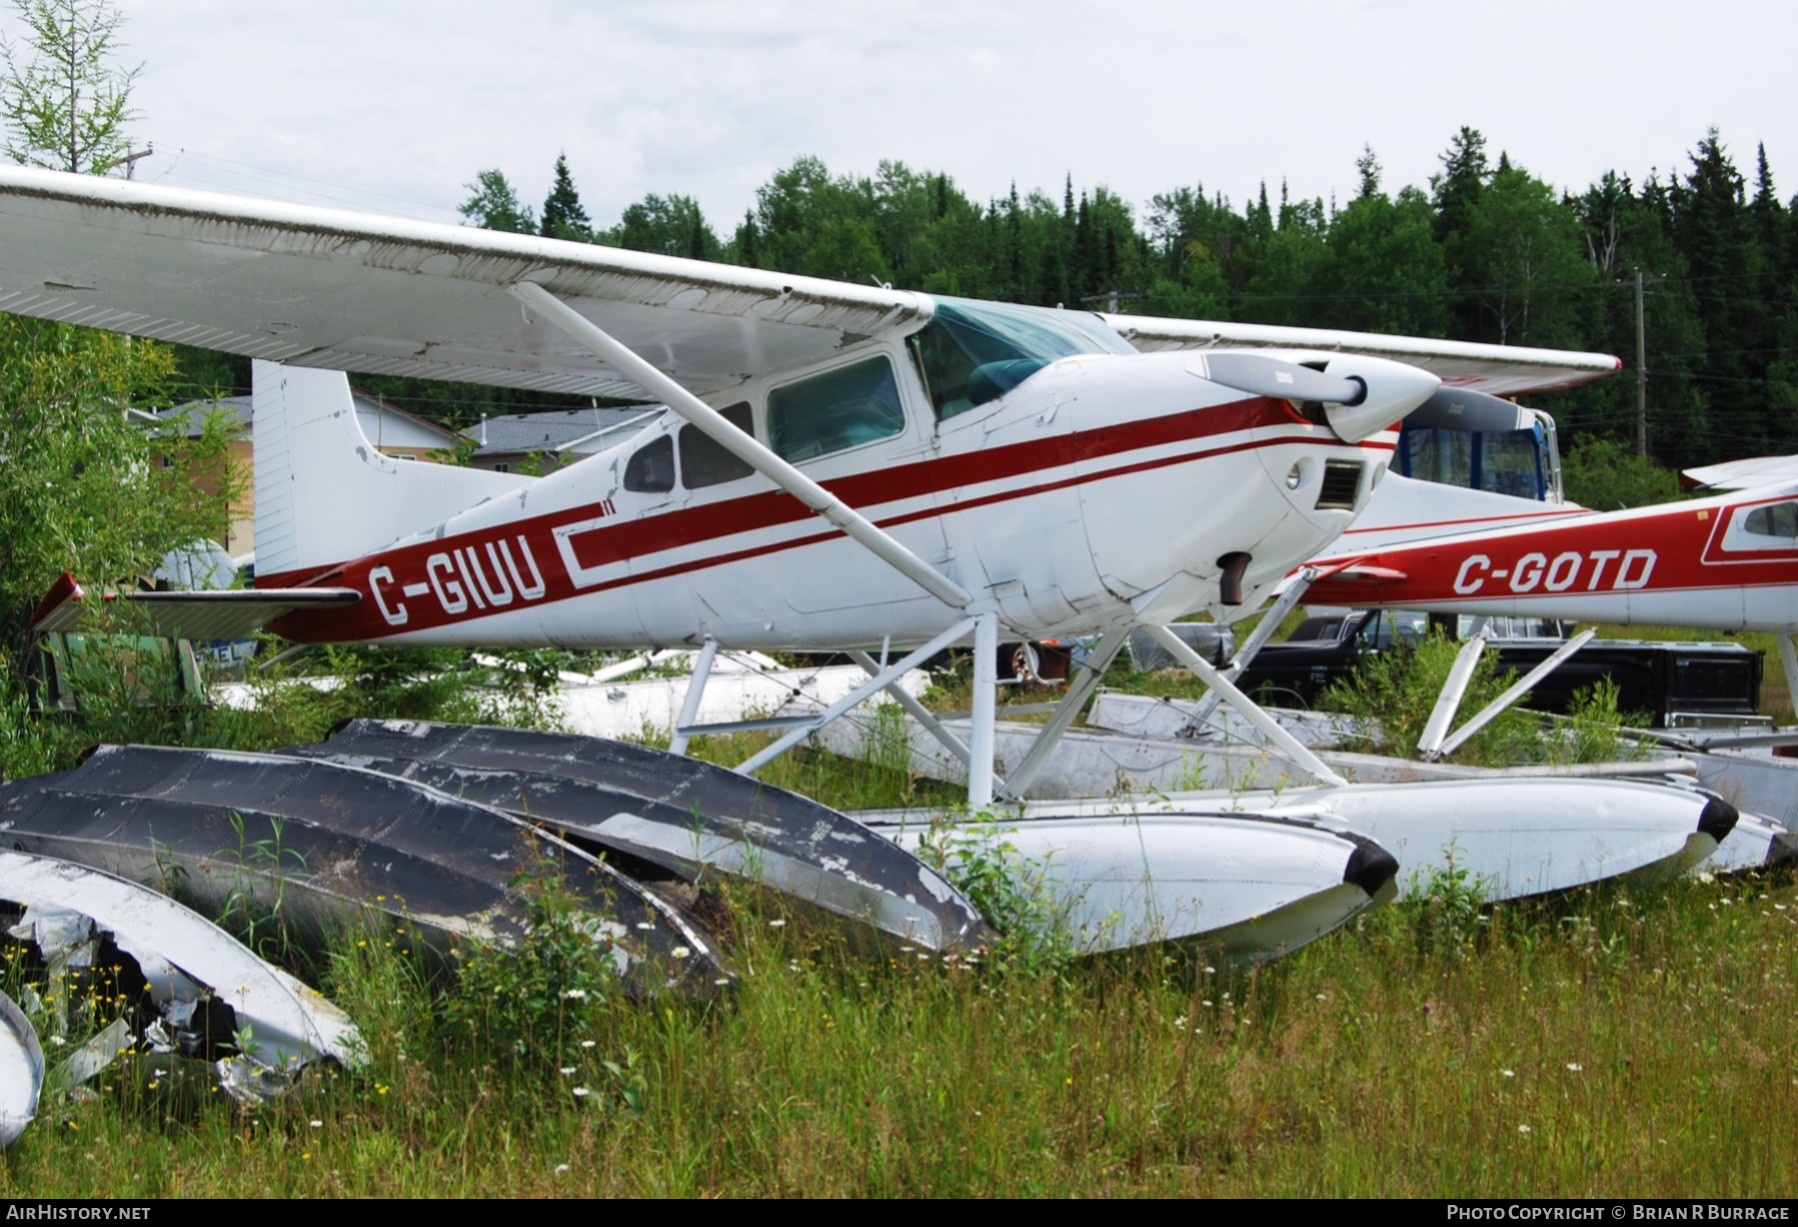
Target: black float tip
(1718, 819)
(1370, 867)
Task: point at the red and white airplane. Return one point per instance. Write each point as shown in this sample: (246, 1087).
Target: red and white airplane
(844, 466)
(1729, 562)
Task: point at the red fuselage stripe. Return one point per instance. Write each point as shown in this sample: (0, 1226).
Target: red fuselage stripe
(608, 543)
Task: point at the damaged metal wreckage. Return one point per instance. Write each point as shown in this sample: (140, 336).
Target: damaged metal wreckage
(321, 846)
(318, 846)
(197, 1001)
(1248, 890)
(429, 824)
(665, 818)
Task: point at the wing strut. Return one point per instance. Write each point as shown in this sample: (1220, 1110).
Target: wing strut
(1283, 741)
(1072, 704)
(879, 682)
(744, 447)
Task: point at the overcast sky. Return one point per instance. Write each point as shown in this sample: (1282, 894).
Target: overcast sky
(389, 105)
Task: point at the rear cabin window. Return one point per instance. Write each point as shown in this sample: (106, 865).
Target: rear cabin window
(651, 470)
(839, 409)
(704, 462)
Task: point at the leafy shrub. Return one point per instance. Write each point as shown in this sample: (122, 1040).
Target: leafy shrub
(1593, 731)
(538, 1005)
(1395, 691)
(1016, 894)
(1448, 909)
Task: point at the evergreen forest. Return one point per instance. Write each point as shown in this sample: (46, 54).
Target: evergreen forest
(1487, 253)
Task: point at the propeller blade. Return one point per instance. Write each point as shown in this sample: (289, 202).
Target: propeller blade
(1464, 409)
(1262, 375)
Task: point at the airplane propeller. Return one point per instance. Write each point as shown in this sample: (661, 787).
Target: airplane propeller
(1465, 409)
(1262, 375)
(1355, 406)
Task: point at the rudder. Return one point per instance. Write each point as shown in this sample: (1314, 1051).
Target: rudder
(324, 494)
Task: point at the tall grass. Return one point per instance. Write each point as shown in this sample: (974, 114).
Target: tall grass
(1619, 1045)
(1614, 1045)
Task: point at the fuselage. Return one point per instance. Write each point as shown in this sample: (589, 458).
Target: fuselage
(1728, 563)
(1102, 485)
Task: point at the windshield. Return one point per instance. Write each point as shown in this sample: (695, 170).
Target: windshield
(974, 352)
(1502, 461)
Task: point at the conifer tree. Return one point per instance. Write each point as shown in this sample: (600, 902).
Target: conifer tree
(563, 216)
(67, 104)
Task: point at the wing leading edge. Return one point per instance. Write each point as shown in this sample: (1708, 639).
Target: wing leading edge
(360, 292)
(1498, 370)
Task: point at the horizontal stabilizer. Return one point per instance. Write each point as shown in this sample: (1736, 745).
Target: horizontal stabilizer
(1363, 573)
(183, 615)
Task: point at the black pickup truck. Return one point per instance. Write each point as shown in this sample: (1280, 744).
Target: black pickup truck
(1672, 681)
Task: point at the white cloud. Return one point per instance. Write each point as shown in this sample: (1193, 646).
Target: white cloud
(397, 106)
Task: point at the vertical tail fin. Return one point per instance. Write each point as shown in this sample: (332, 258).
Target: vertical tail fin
(324, 495)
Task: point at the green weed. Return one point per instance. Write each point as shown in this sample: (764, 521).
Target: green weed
(1449, 909)
(537, 1004)
(248, 909)
(1017, 895)
(1620, 1044)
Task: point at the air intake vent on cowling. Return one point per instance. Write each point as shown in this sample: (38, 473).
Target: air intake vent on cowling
(1342, 481)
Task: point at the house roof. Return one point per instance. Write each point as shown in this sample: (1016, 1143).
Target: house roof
(365, 402)
(236, 412)
(548, 432)
(191, 417)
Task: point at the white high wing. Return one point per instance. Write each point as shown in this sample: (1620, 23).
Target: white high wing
(844, 466)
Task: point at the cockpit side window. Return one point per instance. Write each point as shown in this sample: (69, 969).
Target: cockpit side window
(1777, 520)
(704, 462)
(651, 470)
(839, 409)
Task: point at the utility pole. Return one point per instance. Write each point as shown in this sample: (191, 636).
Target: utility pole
(1641, 374)
(130, 160)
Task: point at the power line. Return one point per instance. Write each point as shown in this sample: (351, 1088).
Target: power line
(286, 180)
